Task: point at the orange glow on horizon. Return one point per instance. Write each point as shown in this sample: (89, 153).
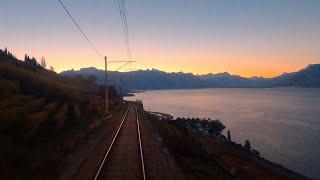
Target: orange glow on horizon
(204, 66)
(237, 61)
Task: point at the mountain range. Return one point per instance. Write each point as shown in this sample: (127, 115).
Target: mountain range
(154, 79)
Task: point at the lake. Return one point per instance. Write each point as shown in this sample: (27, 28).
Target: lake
(283, 124)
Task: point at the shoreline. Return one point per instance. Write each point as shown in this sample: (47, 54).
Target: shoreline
(173, 89)
(222, 139)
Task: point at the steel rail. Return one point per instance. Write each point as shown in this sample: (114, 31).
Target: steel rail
(140, 145)
(110, 147)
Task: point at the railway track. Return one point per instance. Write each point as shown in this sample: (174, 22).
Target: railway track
(124, 157)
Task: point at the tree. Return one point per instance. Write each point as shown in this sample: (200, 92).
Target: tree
(43, 62)
(215, 127)
(51, 68)
(32, 62)
(229, 135)
(247, 145)
(26, 57)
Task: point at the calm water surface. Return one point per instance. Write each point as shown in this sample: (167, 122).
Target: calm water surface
(283, 124)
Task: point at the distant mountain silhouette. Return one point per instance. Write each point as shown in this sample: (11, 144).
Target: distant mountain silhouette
(154, 79)
(307, 77)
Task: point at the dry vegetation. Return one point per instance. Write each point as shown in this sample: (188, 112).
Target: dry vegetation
(239, 162)
(193, 160)
(41, 114)
(201, 156)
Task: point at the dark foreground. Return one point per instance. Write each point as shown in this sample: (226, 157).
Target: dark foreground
(169, 152)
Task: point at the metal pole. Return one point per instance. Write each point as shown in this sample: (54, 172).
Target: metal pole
(106, 84)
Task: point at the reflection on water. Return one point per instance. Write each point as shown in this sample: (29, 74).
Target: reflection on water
(282, 123)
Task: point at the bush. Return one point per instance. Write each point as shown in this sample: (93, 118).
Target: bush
(215, 127)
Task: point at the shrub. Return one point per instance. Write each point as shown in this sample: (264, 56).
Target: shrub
(215, 127)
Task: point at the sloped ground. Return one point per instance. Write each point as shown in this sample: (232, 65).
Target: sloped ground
(159, 161)
(190, 157)
(202, 157)
(42, 116)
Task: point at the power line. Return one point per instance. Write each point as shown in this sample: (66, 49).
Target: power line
(79, 28)
(109, 62)
(123, 65)
(126, 29)
(124, 23)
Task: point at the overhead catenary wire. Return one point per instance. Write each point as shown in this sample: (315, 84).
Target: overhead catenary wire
(126, 27)
(79, 28)
(124, 23)
(123, 65)
(126, 30)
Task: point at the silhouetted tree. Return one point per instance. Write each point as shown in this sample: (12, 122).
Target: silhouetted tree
(43, 62)
(247, 145)
(229, 135)
(32, 62)
(26, 57)
(215, 127)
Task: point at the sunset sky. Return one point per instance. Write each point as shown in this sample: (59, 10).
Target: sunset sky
(244, 37)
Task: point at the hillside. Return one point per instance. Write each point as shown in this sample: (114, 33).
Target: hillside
(42, 115)
(201, 156)
(155, 79)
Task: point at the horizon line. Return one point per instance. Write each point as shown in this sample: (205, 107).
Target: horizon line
(190, 72)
